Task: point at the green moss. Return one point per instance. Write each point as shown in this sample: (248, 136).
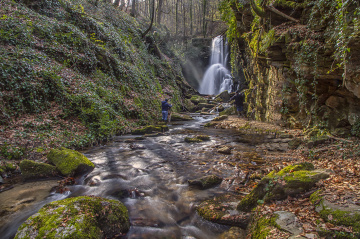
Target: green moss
(77, 217)
(69, 162)
(262, 225)
(296, 167)
(30, 169)
(197, 139)
(196, 99)
(150, 129)
(316, 197)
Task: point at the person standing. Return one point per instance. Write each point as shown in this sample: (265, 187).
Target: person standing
(165, 107)
(239, 102)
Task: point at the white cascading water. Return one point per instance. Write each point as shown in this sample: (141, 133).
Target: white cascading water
(217, 78)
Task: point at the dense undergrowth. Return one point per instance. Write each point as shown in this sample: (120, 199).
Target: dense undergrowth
(73, 74)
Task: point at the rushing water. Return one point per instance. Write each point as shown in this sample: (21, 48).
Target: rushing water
(217, 77)
(150, 177)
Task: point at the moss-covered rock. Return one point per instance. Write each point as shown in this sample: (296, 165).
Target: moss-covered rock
(222, 210)
(180, 117)
(219, 118)
(261, 225)
(150, 129)
(196, 99)
(78, 217)
(210, 124)
(32, 170)
(206, 105)
(228, 111)
(197, 139)
(205, 182)
(224, 150)
(339, 215)
(70, 162)
(291, 180)
(224, 96)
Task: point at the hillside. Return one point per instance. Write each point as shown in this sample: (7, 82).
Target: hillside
(73, 74)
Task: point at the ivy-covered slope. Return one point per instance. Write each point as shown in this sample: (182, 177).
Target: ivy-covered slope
(300, 60)
(73, 73)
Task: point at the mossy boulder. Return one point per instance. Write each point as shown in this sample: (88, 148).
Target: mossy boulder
(290, 181)
(224, 96)
(70, 162)
(228, 111)
(219, 118)
(337, 214)
(180, 117)
(210, 124)
(224, 150)
(206, 105)
(197, 139)
(196, 99)
(32, 170)
(150, 129)
(261, 225)
(205, 182)
(294, 143)
(78, 217)
(222, 210)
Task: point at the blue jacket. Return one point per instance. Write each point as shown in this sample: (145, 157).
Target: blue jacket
(165, 106)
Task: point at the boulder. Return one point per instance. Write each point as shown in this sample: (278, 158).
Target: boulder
(70, 162)
(224, 96)
(234, 233)
(337, 214)
(289, 222)
(150, 129)
(219, 118)
(205, 182)
(224, 150)
(222, 210)
(77, 217)
(196, 99)
(290, 181)
(197, 139)
(180, 117)
(32, 170)
(228, 111)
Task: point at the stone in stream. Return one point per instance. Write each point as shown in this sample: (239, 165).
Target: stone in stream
(33, 170)
(78, 217)
(290, 181)
(224, 150)
(222, 210)
(70, 162)
(205, 182)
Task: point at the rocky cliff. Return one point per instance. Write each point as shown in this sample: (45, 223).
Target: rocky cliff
(300, 60)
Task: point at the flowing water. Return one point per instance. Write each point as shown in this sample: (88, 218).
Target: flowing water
(217, 77)
(150, 177)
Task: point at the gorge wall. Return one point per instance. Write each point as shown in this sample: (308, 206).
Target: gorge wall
(300, 60)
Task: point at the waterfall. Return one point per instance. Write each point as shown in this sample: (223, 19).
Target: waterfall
(217, 78)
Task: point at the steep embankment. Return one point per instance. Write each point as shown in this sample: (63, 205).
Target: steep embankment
(300, 60)
(73, 73)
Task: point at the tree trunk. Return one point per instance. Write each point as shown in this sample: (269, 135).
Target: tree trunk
(133, 8)
(116, 3)
(191, 17)
(159, 11)
(152, 19)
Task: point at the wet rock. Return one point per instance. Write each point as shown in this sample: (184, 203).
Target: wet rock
(196, 99)
(154, 135)
(1, 180)
(222, 210)
(224, 150)
(234, 233)
(228, 111)
(70, 162)
(210, 124)
(196, 139)
(289, 222)
(290, 181)
(136, 146)
(219, 118)
(224, 96)
(150, 129)
(78, 217)
(180, 117)
(32, 170)
(205, 182)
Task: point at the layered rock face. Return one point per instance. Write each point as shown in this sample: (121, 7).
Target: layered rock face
(301, 62)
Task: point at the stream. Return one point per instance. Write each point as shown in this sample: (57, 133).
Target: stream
(150, 177)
